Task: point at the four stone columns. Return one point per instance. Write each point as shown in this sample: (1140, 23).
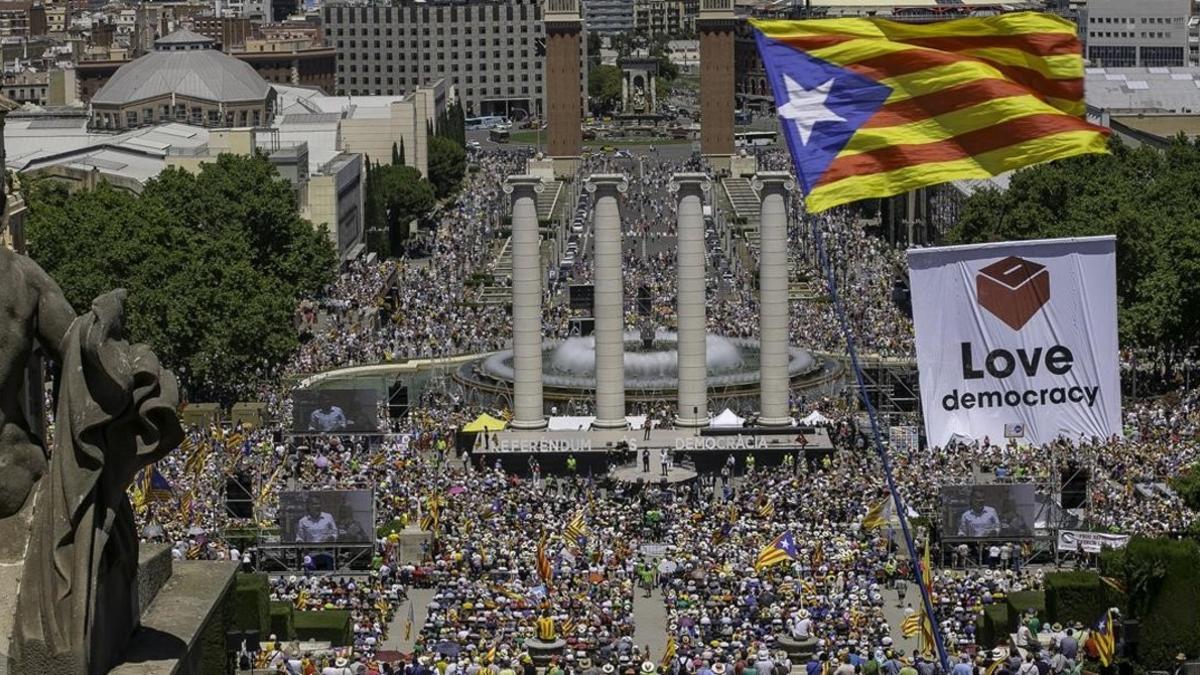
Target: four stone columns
(609, 308)
(773, 187)
(690, 188)
(526, 303)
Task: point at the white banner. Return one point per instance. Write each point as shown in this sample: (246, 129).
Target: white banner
(1090, 542)
(1018, 340)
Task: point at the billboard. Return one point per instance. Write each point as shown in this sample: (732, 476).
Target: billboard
(1017, 340)
(326, 517)
(989, 511)
(335, 411)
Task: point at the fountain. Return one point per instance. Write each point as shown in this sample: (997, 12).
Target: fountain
(569, 366)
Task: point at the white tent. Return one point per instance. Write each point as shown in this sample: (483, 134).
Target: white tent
(727, 418)
(814, 418)
(636, 422)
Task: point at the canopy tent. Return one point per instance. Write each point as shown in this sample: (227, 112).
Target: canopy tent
(814, 417)
(727, 418)
(485, 422)
(635, 422)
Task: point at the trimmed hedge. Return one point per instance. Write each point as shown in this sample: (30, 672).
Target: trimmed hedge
(212, 640)
(326, 625)
(1160, 575)
(1075, 596)
(991, 630)
(1020, 603)
(251, 603)
(282, 623)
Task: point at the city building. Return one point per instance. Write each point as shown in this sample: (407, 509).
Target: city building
(21, 19)
(608, 16)
(685, 54)
(1149, 33)
(44, 88)
(665, 17)
(183, 79)
(1145, 106)
(490, 51)
(328, 183)
(230, 33)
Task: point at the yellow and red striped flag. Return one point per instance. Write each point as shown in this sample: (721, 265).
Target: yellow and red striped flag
(875, 108)
(544, 569)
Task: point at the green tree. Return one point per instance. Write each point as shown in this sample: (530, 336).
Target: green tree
(399, 195)
(214, 264)
(1148, 198)
(403, 161)
(447, 165)
(396, 154)
(1187, 485)
(604, 88)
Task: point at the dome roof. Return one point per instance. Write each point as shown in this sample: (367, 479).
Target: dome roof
(204, 74)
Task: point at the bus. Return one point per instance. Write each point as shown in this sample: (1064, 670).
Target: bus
(747, 139)
(489, 122)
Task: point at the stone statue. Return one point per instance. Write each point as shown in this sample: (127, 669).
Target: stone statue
(116, 413)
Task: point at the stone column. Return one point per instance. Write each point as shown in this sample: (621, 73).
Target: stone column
(526, 303)
(690, 189)
(609, 308)
(773, 187)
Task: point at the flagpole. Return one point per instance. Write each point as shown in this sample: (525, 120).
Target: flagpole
(872, 415)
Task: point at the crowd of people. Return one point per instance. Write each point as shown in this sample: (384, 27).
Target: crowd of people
(697, 545)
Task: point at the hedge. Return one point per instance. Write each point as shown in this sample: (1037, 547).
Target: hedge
(1076, 596)
(991, 629)
(326, 625)
(251, 604)
(1020, 603)
(283, 626)
(1160, 575)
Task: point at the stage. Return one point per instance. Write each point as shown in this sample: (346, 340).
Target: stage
(632, 473)
(595, 451)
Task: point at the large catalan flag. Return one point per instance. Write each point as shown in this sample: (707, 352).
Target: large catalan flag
(874, 108)
(781, 549)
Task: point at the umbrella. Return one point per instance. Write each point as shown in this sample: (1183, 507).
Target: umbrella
(321, 461)
(667, 567)
(457, 490)
(195, 531)
(448, 649)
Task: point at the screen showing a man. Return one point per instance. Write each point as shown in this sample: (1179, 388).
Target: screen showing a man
(335, 411)
(980, 520)
(328, 420)
(317, 526)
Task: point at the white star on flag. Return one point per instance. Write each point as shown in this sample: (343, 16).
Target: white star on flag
(806, 107)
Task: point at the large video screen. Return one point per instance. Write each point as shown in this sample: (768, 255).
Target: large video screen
(335, 411)
(989, 511)
(327, 517)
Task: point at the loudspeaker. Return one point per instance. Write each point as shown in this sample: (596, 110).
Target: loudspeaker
(397, 400)
(237, 496)
(1074, 487)
(643, 301)
(233, 640)
(251, 636)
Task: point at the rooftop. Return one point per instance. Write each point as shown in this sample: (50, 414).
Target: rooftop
(1143, 90)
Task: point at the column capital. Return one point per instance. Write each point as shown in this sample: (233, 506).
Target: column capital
(517, 183)
(684, 183)
(771, 181)
(603, 181)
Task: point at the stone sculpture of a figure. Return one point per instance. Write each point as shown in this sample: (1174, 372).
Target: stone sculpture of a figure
(116, 413)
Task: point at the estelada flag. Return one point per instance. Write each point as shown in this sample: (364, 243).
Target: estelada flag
(875, 108)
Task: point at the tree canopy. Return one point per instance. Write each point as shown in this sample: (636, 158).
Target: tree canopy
(604, 88)
(447, 165)
(396, 195)
(1149, 199)
(214, 264)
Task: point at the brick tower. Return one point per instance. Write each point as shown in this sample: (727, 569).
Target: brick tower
(564, 106)
(716, 27)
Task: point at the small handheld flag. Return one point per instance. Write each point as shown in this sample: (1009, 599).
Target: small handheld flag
(781, 549)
